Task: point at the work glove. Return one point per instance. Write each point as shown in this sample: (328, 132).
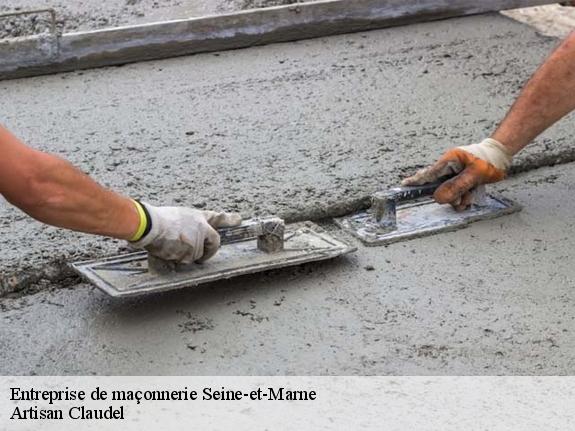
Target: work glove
(477, 164)
(183, 235)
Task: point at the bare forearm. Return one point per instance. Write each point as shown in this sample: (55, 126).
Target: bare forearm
(547, 97)
(54, 192)
(65, 197)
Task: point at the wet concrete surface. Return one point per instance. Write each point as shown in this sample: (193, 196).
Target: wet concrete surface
(85, 15)
(300, 130)
(551, 20)
(495, 298)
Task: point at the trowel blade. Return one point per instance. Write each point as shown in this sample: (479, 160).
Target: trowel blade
(422, 218)
(128, 275)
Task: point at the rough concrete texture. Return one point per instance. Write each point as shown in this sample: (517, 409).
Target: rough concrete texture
(42, 54)
(300, 130)
(495, 298)
(96, 14)
(550, 20)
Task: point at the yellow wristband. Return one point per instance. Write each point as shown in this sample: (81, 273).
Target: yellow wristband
(143, 222)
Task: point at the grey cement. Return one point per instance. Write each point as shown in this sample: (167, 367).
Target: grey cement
(96, 14)
(48, 54)
(301, 130)
(495, 298)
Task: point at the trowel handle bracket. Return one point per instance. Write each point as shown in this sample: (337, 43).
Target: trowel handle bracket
(384, 204)
(269, 233)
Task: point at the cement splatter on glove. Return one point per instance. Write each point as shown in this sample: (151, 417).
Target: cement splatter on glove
(483, 163)
(182, 235)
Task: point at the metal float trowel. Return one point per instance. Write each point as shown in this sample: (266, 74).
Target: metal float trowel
(255, 246)
(403, 213)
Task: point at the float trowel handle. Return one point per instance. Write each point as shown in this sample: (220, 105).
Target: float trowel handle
(384, 204)
(269, 233)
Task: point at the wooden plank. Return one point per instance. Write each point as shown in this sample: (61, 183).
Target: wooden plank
(42, 55)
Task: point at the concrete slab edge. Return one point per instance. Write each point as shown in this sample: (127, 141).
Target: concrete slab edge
(47, 54)
(26, 280)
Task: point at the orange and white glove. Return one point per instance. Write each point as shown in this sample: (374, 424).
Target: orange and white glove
(473, 165)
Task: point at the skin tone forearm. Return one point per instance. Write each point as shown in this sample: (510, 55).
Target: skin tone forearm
(547, 97)
(52, 191)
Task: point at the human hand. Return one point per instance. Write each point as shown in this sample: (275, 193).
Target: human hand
(473, 165)
(184, 235)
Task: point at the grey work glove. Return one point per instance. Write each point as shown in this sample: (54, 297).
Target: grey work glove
(184, 235)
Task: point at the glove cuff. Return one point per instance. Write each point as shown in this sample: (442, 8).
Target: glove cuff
(491, 151)
(148, 229)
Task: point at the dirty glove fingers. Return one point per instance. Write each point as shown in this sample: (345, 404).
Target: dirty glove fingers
(483, 163)
(202, 248)
(444, 166)
(465, 202)
(211, 245)
(170, 250)
(452, 191)
(222, 219)
(424, 176)
(194, 247)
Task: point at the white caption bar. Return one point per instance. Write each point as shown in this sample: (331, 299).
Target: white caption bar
(287, 403)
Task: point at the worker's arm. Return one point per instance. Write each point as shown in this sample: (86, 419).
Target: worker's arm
(547, 97)
(54, 192)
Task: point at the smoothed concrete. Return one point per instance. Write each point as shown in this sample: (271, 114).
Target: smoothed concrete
(495, 298)
(301, 130)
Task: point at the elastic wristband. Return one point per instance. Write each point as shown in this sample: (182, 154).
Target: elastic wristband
(148, 219)
(144, 226)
